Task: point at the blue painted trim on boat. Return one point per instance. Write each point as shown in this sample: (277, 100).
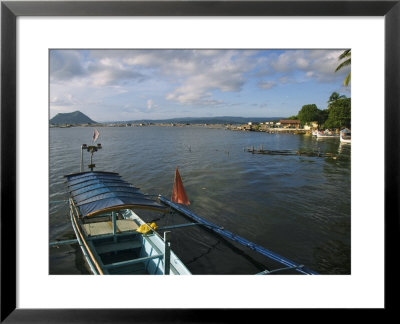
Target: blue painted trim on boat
(239, 239)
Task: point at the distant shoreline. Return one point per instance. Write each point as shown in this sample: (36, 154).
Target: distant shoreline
(142, 125)
(232, 127)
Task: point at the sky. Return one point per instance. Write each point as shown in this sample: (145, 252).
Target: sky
(121, 85)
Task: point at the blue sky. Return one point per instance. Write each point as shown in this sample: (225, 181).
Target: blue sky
(116, 85)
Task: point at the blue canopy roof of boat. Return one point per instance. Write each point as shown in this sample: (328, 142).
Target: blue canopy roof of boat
(96, 192)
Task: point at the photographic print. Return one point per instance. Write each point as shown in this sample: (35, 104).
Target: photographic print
(200, 161)
(201, 120)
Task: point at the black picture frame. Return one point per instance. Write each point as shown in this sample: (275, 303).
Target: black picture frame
(10, 10)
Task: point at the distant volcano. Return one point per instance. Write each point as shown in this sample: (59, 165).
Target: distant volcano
(75, 117)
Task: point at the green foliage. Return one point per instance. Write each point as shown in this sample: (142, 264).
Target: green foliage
(335, 96)
(294, 117)
(308, 114)
(339, 114)
(323, 117)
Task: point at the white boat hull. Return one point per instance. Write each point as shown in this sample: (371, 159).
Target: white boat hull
(343, 140)
(327, 136)
(345, 136)
(322, 135)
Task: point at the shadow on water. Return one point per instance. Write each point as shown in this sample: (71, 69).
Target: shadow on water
(201, 242)
(61, 257)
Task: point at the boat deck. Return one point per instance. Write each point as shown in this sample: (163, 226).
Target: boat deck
(104, 228)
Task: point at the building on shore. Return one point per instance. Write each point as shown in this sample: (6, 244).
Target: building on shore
(248, 127)
(311, 125)
(266, 126)
(290, 123)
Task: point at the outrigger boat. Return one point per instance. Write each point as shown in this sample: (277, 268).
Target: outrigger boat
(114, 239)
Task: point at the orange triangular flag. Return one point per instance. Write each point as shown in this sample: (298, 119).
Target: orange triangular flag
(178, 191)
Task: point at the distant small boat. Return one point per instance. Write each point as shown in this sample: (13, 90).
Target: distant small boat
(345, 136)
(326, 134)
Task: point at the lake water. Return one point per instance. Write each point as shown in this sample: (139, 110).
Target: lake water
(296, 206)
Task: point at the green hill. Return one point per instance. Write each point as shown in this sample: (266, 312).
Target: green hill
(75, 117)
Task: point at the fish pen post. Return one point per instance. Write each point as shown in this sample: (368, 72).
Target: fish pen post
(167, 252)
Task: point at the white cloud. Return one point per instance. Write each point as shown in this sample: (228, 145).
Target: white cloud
(65, 65)
(196, 74)
(72, 67)
(317, 64)
(206, 74)
(302, 63)
(266, 84)
(310, 74)
(63, 100)
(151, 105)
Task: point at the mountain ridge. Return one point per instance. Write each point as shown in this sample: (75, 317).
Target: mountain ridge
(78, 117)
(75, 117)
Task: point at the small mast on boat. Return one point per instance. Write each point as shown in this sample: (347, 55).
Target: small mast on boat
(91, 149)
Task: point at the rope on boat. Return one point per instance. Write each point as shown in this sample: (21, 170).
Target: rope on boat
(239, 239)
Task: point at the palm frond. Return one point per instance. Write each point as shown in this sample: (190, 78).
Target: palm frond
(347, 62)
(343, 64)
(346, 53)
(347, 80)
